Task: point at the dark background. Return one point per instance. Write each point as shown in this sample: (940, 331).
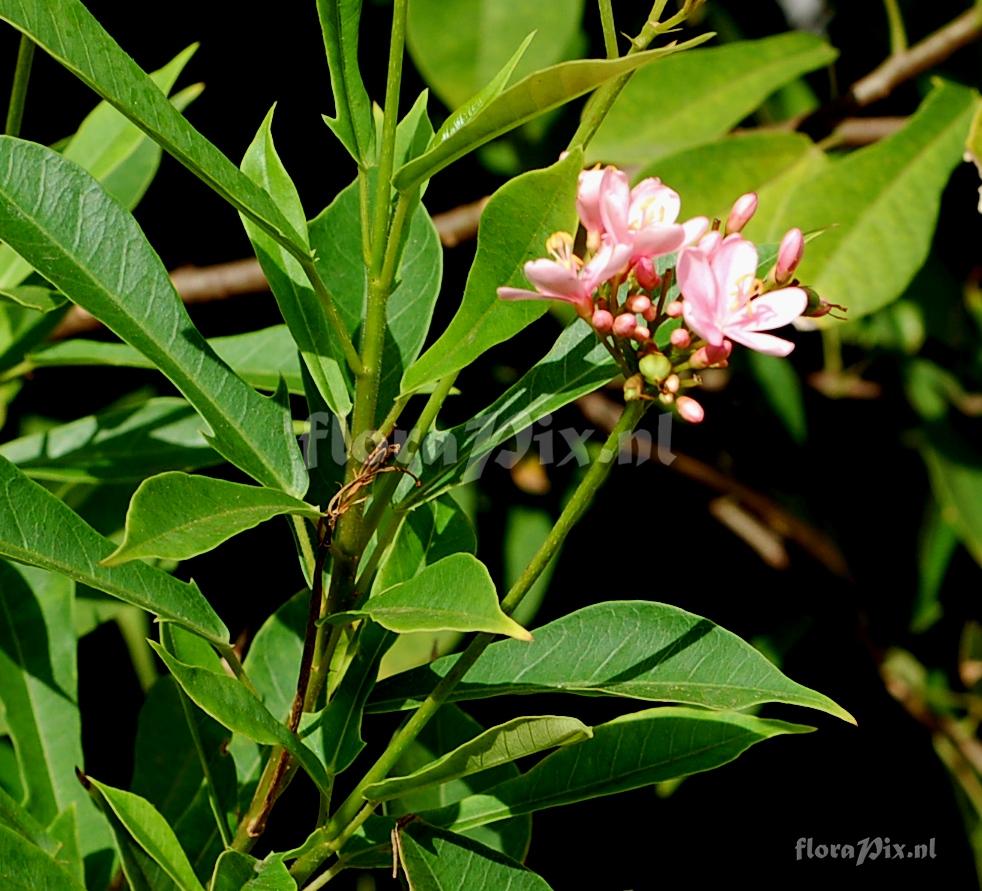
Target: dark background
(648, 536)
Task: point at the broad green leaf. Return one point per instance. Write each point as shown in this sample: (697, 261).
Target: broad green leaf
(533, 95)
(22, 329)
(228, 701)
(627, 753)
(151, 832)
(514, 227)
(698, 96)
(176, 516)
(123, 283)
(336, 238)
(167, 772)
(499, 745)
(956, 478)
(260, 357)
(38, 689)
(709, 178)
(453, 594)
(577, 364)
(38, 529)
(352, 123)
(632, 648)
(864, 261)
(118, 445)
(64, 829)
(14, 816)
(437, 860)
(485, 34)
(782, 389)
(68, 32)
(236, 871)
(25, 867)
(937, 545)
(34, 297)
(302, 310)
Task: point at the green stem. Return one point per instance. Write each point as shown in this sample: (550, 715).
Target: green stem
(327, 301)
(354, 806)
(832, 351)
(610, 30)
(18, 92)
(898, 33)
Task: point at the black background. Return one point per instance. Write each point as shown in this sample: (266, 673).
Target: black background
(649, 535)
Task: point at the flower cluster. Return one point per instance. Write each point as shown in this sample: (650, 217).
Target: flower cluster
(668, 298)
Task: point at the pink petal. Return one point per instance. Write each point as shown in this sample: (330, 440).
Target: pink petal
(735, 266)
(703, 324)
(698, 287)
(776, 309)
(615, 203)
(695, 229)
(656, 241)
(554, 279)
(519, 294)
(588, 199)
(606, 263)
(650, 195)
(762, 343)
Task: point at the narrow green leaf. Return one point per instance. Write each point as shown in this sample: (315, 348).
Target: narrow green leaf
(782, 389)
(69, 33)
(123, 283)
(300, 307)
(25, 867)
(14, 816)
(34, 297)
(65, 830)
(436, 860)
(175, 516)
(119, 445)
(236, 871)
(229, 702)
(454, 594)
(630, 648)
(151, 832)
(38, 529)
(938, 543)
(526, 529)
(260, 357)
(514, 227)
(499, 745)
(22, 329)
(956, 478)
(630, 752)
(538, 93)
(864, 262)
(698, 96)
(352, 123)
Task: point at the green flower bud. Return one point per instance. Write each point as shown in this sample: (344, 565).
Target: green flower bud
(655, 367)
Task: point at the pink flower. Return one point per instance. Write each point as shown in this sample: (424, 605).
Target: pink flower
(566, 278)
(643, 217)
(789, 256)
(719, 291)
(743, 210)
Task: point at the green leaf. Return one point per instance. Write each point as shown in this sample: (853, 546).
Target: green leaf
(352, 123)
(698, 96)
(68, 32)
(299, 305)
(514, 227)
(632, 648)
(175, 516)
(337, 241)
(500, 745)
(709, 178)
(34, 297)
(526, 530)
(956, 478)
(260, 357)
(627, 753)
(436, 860)
(484, 35)
(22, 329)
(151, 832)
(864, 262)
(25, 867)
(782, 390)
(119, 445)
(538, 93)
(454, 594)
(38, 529)
(938, 543)
(14, 816)
(119, 279)
(577, 364)
(228, 701)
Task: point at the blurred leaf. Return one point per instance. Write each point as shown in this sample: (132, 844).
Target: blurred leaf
(260, 357)
(38, 529)
(865, 261)
(631, 648)
(782, 390)
(956, 477)
(499, 745)
(301, 308)
(176, 516)
(938, 542)
(436, 860)
(453, 594)
(116, 279)
(485, 34)
(698, 96)
(525, 531)
(630, 752)
(25, 867)
(121, 444)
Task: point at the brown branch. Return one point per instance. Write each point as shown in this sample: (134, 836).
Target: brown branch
(856, 132)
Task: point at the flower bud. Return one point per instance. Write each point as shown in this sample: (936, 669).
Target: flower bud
(646, 274)
(817, 307)
(655, 367)
(708, 356)
(633, 388)
(789, 256)
(641, 334)
(672, 384)
(602, 321)
(625, 324)
(638, 303)
(674, 309)
(650, 314)
(743, 210)
(680, 338)
(689, 410)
